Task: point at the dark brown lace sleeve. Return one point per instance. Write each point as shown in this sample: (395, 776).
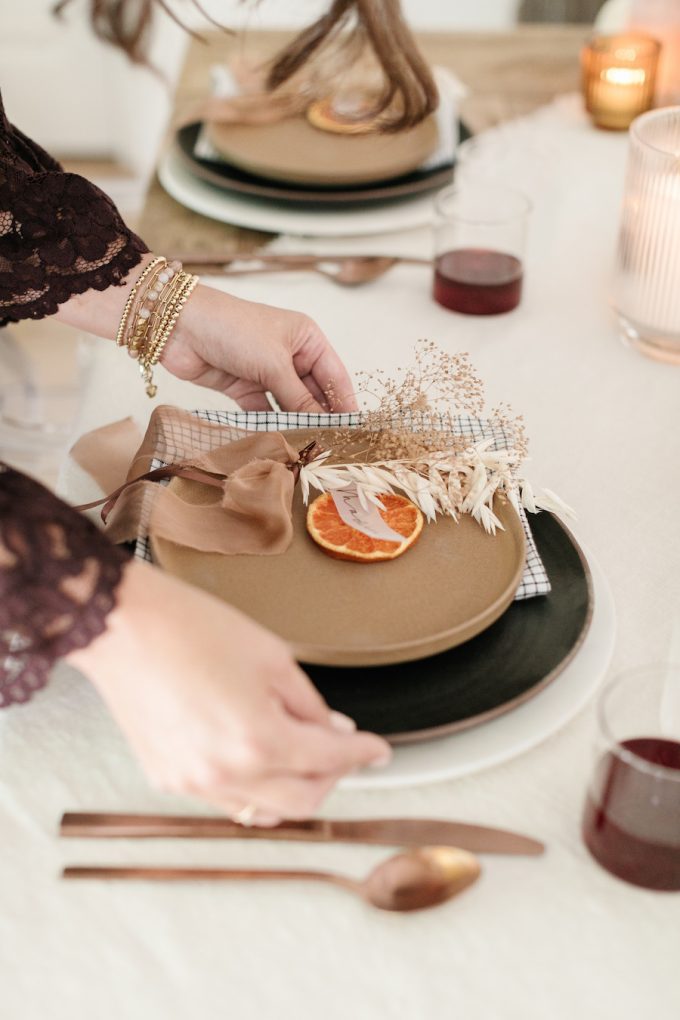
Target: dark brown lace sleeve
(59, 234)
(58, 577)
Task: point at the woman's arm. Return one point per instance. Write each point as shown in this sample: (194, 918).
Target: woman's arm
(65, 249)
(211, 703)
(244, 349)
(58, 578)
(60, 235)
(215, 706)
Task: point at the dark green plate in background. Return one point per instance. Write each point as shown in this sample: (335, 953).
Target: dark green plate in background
(231, 178)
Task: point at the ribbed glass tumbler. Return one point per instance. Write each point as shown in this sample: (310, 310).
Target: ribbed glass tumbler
(647, 280)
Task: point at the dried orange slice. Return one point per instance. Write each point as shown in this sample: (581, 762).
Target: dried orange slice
(323, 115)
(338, 539)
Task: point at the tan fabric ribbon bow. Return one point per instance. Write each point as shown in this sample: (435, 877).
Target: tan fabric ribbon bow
(241, 501)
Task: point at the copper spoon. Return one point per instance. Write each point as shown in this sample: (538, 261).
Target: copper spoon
(411, 880)
(348, 272)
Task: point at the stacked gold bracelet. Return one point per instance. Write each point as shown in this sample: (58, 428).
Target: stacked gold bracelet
(151, 312)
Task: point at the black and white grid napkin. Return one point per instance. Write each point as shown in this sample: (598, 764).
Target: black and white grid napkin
(534, 579)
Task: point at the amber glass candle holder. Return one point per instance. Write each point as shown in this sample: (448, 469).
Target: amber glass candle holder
(619, 78)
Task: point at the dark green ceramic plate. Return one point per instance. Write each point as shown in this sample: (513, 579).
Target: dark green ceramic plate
(491, 674)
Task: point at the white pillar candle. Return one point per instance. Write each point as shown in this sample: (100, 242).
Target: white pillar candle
(647, 284)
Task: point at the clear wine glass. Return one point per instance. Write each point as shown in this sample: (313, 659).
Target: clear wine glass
(631, 821)
(480, 235)
(39, 396)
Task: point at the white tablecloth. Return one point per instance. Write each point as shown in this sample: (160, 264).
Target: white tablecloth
(553, 938)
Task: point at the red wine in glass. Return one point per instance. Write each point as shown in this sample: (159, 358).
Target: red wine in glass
(631, 822)
(477, 281)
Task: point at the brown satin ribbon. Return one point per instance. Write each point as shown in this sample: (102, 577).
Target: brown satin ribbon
(252, 475)
(107, 503)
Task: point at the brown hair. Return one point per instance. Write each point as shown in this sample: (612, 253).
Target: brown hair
(126, 24)
(409, 93)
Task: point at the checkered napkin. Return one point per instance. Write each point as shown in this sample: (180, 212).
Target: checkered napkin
(534, 579)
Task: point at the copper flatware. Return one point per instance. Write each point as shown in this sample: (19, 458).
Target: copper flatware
(346, 274)
(378, 831)
(346, 270)
(289, 258)
(408, 881)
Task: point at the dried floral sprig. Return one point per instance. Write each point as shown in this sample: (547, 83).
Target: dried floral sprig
(446, 483)
(413, 442)
(416, 411)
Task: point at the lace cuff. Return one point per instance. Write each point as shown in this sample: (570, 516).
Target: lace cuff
(58, 576)
(59, 234)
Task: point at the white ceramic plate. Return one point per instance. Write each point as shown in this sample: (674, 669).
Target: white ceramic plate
(263, 214)
(515, 732)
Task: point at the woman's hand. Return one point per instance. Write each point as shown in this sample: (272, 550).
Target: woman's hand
(214, 705)
(241, 348)
(246, 349)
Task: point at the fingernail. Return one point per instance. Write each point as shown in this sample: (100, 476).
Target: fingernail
(267, 821)
(381, 761)
(342, 722)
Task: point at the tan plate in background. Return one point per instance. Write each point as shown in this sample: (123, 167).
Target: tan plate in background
(453, 583)
(234, 179)
(292, 150)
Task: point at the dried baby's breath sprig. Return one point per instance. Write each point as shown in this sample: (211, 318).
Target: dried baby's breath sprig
(413, 442)
(414, 413)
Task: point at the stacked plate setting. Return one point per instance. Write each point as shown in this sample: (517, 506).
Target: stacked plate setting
(292, 177)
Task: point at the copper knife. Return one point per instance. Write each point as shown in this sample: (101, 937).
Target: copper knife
(380, 831)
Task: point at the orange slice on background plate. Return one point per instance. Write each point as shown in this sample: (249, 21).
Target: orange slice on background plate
(338, 539)
(324, 115)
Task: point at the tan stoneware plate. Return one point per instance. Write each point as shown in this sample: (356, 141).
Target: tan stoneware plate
(294, 151)
(451, 585)
(234, 179)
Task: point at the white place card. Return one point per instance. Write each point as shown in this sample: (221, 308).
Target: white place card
(368, 521)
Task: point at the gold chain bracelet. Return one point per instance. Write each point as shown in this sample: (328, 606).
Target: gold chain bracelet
(151, 312)
(183, 285)
(152, 308)
(155, 263)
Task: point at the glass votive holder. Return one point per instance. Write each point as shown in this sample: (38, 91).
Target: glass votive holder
(479, 242)
(646, 288)
(619, 76)
(631, 821)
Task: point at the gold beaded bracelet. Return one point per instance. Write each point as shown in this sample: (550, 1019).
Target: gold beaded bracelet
(155, 264)
(162, 311)
(184, 284)
(152, 308)
(151, 312)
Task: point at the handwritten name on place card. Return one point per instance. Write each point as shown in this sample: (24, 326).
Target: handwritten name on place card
(368, 521)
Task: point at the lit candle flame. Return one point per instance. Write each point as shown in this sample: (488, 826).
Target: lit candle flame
(623, 75)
